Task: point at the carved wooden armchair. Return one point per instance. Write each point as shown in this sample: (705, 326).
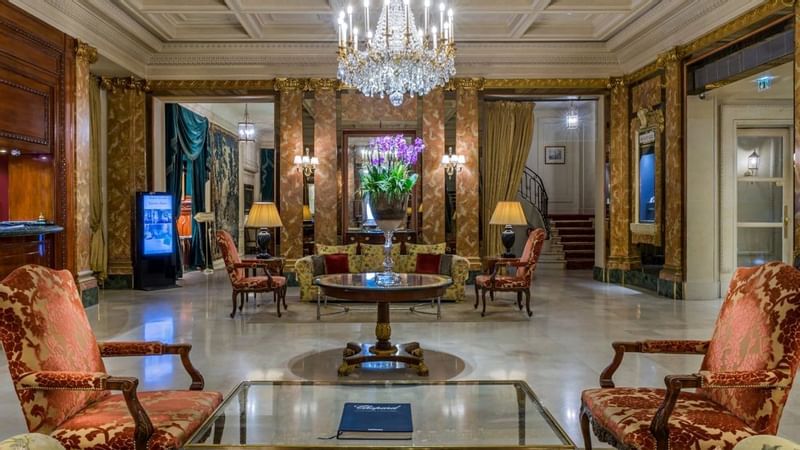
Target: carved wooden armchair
(520, 281)
(244, 283)
(56, 365)
(743, 382)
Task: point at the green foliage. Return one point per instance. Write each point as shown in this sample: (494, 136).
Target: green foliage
(392, 180)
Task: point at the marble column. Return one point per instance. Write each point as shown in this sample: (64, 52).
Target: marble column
(468, 205)
(85, 55)
(673, 165)
(326, 205)
(432, 171)
(127, 172)
(291, 180)
(622, 255)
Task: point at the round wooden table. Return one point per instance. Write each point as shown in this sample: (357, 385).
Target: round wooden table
(361, 287)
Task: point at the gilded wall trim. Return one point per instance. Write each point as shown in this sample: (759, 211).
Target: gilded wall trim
(545, 83)
(291, 84)
(85, 53)
(127, 83)
(183, 85)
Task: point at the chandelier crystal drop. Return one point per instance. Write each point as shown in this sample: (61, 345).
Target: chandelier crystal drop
(397, 58)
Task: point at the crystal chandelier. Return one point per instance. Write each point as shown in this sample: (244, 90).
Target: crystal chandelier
(396, 57)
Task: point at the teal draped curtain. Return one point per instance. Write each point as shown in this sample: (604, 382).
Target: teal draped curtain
(188, 148)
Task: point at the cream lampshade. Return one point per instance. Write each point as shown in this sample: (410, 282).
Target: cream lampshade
(508, 214)
(263, 215)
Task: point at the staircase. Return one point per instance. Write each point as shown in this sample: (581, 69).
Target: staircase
(574, 235)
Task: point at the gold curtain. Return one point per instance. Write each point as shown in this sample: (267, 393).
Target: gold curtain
(508, 137)
(98, 259)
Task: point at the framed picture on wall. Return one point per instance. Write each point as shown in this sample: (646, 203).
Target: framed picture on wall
(554, 154)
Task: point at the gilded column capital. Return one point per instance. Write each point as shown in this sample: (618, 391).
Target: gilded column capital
(290, 84)
(85, 52)
(670, 56)
(476, 84)
(324, 84)
(616, 83)
(126, 83)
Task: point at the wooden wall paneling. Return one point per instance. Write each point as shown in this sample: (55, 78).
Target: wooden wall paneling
(30, 181)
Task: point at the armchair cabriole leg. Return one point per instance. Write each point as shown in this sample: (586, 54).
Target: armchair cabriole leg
(476, 296)
(528, 302)
(143, 427)
(233, 299)
(587, 435)
(483, 301)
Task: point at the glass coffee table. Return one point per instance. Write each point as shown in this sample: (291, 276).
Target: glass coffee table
(447, 414)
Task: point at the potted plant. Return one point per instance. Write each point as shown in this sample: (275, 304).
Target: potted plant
(387, 180)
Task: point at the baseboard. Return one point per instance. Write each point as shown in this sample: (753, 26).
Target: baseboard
(640, 279)
(115, 281)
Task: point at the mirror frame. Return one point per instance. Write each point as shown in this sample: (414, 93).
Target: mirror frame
(646, 121)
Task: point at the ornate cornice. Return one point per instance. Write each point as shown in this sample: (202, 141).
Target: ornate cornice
(616, 83)
(671, 56)
(745, 20)
(84, 52)
(180, 85)
(546, 83)
(127, 83)
(291, 84)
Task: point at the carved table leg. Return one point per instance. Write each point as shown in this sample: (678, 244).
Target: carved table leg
(383, 332)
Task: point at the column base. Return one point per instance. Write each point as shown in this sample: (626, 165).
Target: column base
(90, 292)
(624, 262)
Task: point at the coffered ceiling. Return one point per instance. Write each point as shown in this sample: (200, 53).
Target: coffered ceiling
(175, 39)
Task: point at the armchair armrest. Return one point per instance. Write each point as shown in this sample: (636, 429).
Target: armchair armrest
(48, 380)
(676, 347)
(112, 349)
(95, 381)
(758, 379)
(267, 264)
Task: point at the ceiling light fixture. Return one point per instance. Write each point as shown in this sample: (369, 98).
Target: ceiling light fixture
(572, 118)
(247, 130)
(396, 58)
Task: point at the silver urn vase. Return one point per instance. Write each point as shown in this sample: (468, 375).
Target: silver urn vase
(389, 213)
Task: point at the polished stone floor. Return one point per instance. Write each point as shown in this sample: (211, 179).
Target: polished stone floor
(559, 351)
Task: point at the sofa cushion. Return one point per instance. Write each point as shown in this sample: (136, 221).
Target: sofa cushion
(337, 263)
(317, 265)
(372, 257)
(350, 250)
(428, 263)
(412, 250)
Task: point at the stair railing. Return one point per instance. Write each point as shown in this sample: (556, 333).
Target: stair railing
(533, 192)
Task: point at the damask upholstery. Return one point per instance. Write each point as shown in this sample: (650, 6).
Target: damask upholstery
(31, 441)
(520, 281)
(459, 270)
(55, 364)
(745, 377)
(107, 424)
(242, 283)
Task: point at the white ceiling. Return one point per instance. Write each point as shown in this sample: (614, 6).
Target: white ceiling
(257, 39)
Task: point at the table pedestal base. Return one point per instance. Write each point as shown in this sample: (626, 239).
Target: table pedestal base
(410, 354)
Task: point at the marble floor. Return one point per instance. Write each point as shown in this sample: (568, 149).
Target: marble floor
(559, 351)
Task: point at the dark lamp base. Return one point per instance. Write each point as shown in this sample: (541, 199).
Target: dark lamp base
(507, 236)
(262, 240)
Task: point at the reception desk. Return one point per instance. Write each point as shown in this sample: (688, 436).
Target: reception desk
(26, 243)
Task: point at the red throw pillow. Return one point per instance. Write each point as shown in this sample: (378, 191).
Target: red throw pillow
(337, 263)
(428, 263)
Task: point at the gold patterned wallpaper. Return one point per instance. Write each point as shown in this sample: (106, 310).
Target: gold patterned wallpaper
(358, 108)
(433, 174)
(85, 55)
(621, 249)
(127, 169)
(673, 170)
(647, 94)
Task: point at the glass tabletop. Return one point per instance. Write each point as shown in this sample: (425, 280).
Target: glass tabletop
(449, 414)
(367, 281)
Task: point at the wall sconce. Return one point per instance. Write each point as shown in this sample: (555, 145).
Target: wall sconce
(247, 129)
(752, 164)
(306, 163)
(452, 163)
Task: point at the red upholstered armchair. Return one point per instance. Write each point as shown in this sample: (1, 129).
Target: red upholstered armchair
(58, 373)
(243, 284)
(743, 382)
(520, 281)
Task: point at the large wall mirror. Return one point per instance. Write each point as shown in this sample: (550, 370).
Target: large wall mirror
(357, 221)
(647, 159)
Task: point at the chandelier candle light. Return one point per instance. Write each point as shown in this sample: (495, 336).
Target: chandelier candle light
(396, 58)
(385, 185)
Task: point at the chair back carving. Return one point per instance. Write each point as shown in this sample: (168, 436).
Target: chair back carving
(530, 254)
(230, 255)
(758, 328)
(43, 327)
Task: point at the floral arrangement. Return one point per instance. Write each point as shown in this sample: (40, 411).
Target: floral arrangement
(389, 168)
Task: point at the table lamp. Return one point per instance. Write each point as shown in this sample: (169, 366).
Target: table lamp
(263, 215)
(508, 214)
